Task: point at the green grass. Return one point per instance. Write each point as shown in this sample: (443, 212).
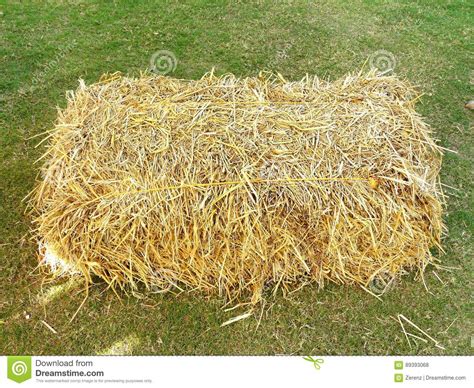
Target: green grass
(431, 42)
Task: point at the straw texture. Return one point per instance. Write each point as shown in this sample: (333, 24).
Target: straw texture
(232, 186)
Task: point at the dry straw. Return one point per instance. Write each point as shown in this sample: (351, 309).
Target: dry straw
(233, 186)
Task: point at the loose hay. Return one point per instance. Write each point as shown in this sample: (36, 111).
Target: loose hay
(229, 185)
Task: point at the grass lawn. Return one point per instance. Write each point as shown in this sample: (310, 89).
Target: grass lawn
(47, 46)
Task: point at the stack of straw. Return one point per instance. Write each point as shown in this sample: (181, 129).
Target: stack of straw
(233, 186)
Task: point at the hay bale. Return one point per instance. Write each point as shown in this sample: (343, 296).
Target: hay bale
(229, 185)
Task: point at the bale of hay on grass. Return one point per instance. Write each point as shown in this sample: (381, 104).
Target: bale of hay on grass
(232, 186)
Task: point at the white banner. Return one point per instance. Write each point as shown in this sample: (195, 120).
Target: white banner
(280, 371)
